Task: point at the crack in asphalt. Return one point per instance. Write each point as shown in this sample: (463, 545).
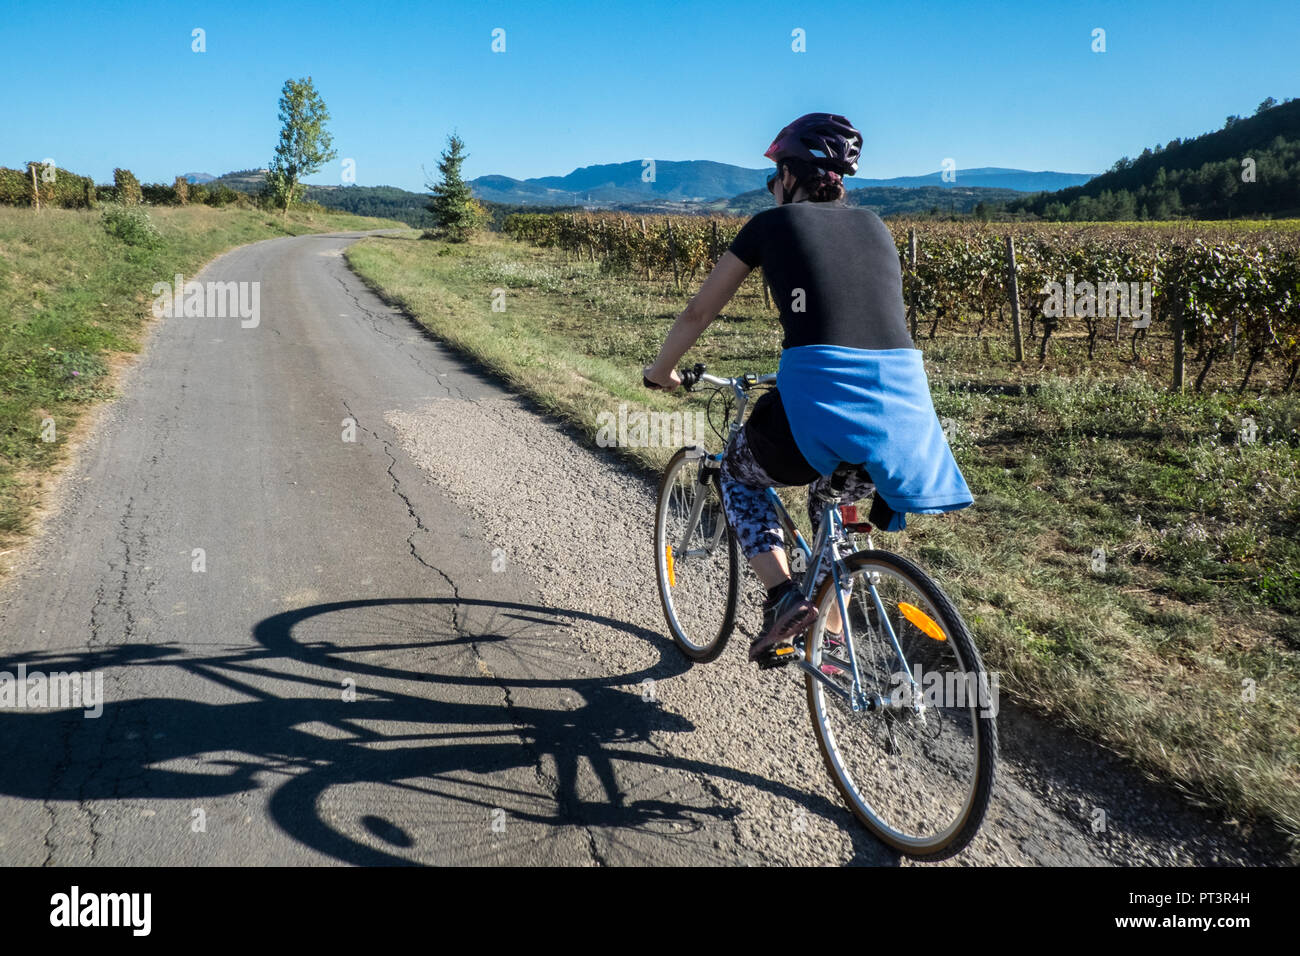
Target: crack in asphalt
(347, 279)
(395, 341)
(130, 540)
(563, 801)
(65, 764)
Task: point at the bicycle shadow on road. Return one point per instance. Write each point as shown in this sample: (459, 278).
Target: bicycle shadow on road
(399, 731)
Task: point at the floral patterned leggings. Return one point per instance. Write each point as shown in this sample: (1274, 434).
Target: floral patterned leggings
(752, 516)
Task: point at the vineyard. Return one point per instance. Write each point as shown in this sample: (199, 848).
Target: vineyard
(1211, 290)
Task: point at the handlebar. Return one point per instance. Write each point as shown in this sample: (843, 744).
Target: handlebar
(696, 374)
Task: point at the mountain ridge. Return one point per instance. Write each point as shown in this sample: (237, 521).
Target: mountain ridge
(709, 181)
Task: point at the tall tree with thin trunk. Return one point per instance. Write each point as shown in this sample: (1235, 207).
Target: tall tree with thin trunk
(305, 145)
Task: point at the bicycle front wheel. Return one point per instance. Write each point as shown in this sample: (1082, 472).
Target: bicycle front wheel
(917, 767)
(696, 558)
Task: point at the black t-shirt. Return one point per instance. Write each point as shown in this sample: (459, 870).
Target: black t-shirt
(834, 272)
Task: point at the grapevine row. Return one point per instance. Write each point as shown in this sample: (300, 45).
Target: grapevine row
(1217, 288)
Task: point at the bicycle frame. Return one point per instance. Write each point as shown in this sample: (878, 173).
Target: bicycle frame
(826, 548)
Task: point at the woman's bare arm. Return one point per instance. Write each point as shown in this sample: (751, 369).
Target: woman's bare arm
(703, 308)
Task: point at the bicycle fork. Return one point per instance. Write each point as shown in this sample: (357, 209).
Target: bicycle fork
(709, 465)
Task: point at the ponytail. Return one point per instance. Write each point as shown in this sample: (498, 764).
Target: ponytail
(822, 185)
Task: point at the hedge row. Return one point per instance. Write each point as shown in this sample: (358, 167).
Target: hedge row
(59, 187)
(56, 187)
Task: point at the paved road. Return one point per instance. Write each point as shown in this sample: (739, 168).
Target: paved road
(390, 649)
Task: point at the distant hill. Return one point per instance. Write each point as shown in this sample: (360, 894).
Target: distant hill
(889, 200)
(385, 202)
(618, 184)
(1200, 178)
(992, 177)
(694, 180)
(198, 177)
(242, 180)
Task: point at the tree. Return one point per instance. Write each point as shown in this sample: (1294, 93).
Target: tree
(455, 210)
(1268, 104)
(304, 145)
(1123, 207)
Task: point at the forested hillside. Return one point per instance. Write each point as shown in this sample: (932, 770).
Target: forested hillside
(1248, 169)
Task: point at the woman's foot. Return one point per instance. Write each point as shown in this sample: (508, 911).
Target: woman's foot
(786, 614)
(832, 641)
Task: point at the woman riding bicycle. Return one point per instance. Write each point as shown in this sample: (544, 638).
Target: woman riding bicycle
(851, 386)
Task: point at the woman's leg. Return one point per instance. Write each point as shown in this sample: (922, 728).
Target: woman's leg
(786, 613)
(752, 517)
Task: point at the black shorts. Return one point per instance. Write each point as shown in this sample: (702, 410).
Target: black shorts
(768, 432)
(772, 444)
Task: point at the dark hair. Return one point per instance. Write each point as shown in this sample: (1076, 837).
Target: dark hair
(822, 185)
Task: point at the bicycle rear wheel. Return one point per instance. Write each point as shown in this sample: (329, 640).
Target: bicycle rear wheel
(919, 780)
(698, 573)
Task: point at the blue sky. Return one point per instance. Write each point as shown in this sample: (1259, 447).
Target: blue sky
(95, 86)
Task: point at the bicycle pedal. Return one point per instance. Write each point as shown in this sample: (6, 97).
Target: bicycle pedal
(778, 657)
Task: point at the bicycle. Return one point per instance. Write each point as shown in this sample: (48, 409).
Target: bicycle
(882, 733)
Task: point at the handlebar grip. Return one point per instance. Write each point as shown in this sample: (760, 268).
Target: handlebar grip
(690, 376)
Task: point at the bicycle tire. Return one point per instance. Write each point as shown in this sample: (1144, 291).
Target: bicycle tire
(700, 652)
(986, 740)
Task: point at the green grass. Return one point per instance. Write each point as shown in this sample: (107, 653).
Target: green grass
(1156, 657)
(73, 300)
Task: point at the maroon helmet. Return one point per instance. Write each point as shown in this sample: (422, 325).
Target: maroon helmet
(826, 140)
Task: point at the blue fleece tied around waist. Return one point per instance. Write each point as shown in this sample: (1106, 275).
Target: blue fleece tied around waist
(872, 407)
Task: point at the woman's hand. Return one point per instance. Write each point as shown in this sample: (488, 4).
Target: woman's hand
(667, 382)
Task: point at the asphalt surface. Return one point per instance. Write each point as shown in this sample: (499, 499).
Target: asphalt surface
(436, 643)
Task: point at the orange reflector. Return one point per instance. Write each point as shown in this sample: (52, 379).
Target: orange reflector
(782, 651)
(668, 554)
(922, 621)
